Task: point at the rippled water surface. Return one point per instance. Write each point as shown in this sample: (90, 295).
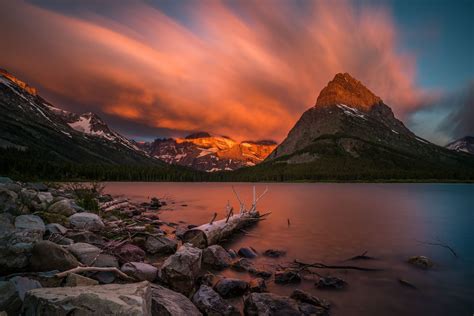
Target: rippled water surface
(332, 222)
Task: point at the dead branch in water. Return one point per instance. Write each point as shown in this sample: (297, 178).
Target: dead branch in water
(94, 269)
(213, 218)
(407, 284)
(319, 265)
(441, 244)
(362, 256)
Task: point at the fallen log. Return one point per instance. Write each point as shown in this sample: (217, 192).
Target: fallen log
(214, 232)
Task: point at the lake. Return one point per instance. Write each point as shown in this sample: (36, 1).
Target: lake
(330, 223)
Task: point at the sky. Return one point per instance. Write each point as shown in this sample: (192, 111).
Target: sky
(245, 69)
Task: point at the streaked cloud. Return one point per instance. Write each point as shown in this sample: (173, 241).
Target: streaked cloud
(246, 69)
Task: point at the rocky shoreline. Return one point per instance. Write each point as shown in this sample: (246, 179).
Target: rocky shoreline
(70, 249)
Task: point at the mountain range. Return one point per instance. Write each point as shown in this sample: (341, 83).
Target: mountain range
(349, 134)
(206, 152)
(465, 144)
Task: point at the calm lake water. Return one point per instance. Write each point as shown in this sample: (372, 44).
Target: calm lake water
(333, 222)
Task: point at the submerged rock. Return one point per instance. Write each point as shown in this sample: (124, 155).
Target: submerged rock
(305, 297)
(180, 270)
(242, 265)
(216, 257)
(257, 304)
(229, 287)
(247, 252)
(211, 304)
(169, 303)
(160, 245)
(330, 282)
(287, 276)
(274, 253)
(112, 299)
(47, 256)
(421, 262)
(140, 271)
(86, 221)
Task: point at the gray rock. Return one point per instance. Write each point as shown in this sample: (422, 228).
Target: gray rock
(232, 253)
(242, 265)
(112, 299)
(305, 297)
(312, 310)
(85, 236)
(211, 304)
(38, 186)
(274, 253)
(56, 229)
(229, 287)
(160, 245)
(15, 250)
(257, 304)
(31, 225)
(165, 302)
(23, 285)
(8, 200)
(47, 256)
(74, 279)
(9, 298)
(140, 271)
(216, 257)
(421, 262)
(330, 282)
(286, 277)
(180, 270)
(91, 255)
(129, 253)
(6, 224)
(257, 285)
(63, 207)
(34, 200)
(86, 221)
(247, 252)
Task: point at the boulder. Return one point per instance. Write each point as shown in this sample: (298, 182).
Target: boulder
(91, 255)
(50, 218)
(9, 298)
(6, 224)
(8, 200)
(140, 271)
(56, 228)
(307, 298)
(257, 304)
(247, 252)
(229, 287)
(242, 265)
(15, 250)
(274, 253)
(312, 310)
(160, 245)
(165, 302)
(286, 277)
(129, 253)
(47, 256)
(132, 299)
(34, 200)
(86, 221)
(74, 279)
(31, 225)
(64, 207)
(257, 285)
(421, 262)
(216, 257)
(211, 304)
(180, 270)
(330, 282)
(85, 236)
(23, 285)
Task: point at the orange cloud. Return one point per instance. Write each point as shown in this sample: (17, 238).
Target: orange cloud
(246, 70)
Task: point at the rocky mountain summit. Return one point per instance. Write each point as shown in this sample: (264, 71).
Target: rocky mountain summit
(206, 152)
(465, 144)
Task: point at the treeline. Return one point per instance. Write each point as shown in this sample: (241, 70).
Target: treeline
(33, 165)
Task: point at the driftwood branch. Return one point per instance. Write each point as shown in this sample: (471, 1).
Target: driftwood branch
(362, 256)
(213, 218)
(242, 205)
(439, 243)
(94, 269)
(319, 265)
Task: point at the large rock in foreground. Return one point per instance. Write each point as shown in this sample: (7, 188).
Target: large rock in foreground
(180, 270)
(270, 304)
(169, 303)
(112, 299)
(211, 304)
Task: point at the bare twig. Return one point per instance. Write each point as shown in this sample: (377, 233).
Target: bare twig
(319, 265)
(213, 218)
(362, 256)
(439, 243)
(94, 269)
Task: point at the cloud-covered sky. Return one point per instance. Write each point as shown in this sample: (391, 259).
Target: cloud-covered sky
(247, 69)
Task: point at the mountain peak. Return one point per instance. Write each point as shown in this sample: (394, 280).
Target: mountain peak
(21, 84)
(344, 89)
(198, 135)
